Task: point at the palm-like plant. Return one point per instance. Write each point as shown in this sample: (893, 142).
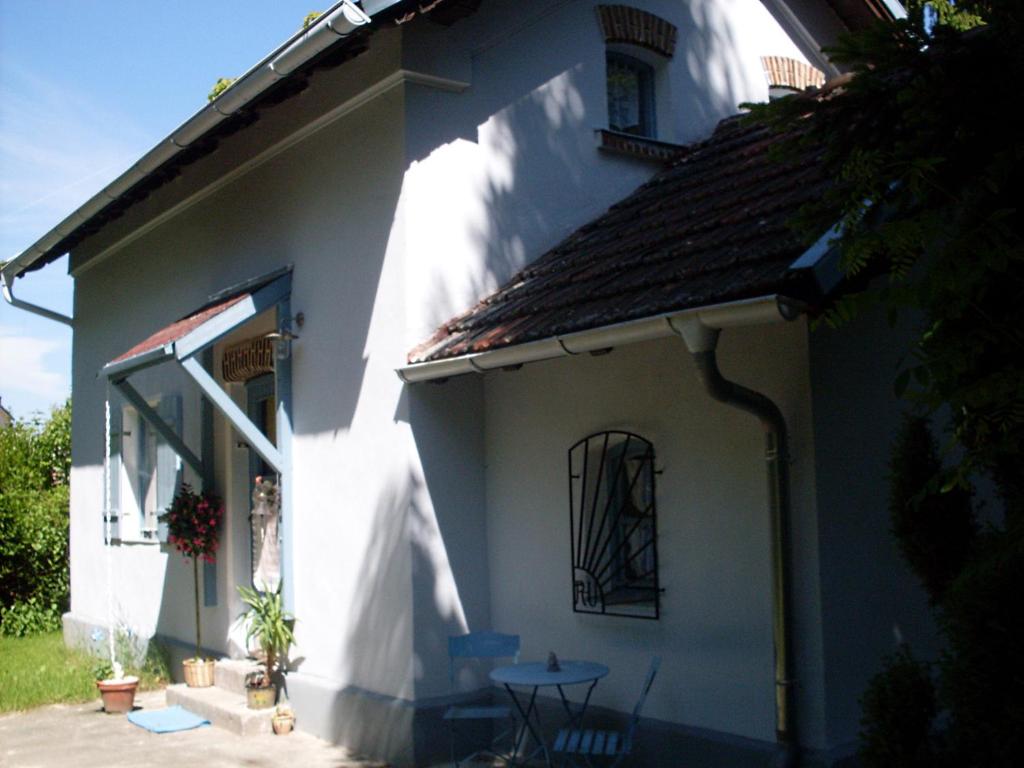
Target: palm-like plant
(269, 624)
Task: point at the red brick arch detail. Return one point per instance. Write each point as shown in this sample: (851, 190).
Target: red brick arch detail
(789, 73)
(625, 24)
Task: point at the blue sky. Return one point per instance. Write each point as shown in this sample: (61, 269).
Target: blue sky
(87, 87)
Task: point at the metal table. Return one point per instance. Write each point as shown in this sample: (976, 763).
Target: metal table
(536, 676)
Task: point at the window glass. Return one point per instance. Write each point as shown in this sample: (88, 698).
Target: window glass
(630, 95)
(613, 526)
(145, 470)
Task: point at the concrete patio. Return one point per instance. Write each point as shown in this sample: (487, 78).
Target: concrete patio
(81, 735)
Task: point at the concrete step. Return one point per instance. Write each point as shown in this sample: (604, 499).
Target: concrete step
(225, 709)
(229, 674)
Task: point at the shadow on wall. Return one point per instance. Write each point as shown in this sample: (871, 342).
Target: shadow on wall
(424, 578)
(542, 175)
(377, 653)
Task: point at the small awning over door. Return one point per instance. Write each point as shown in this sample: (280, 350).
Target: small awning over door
(197, 330)
(182, 340)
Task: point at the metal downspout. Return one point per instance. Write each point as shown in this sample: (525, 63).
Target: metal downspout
(777, 459)
(8, 291)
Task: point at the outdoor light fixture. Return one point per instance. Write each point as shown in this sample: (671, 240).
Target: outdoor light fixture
(282, 342)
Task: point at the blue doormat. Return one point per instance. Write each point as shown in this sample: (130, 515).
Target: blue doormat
(167, 720)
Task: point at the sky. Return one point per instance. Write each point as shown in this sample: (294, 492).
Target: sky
(86, 88)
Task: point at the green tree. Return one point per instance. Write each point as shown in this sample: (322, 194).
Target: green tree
(927, 163)
(35, 465)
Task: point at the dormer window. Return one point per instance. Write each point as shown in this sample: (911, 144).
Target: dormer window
(630, 95)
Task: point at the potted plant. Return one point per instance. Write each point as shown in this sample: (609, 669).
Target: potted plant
(259, 692)
(283, 720)
(116, 689)
(271, 626)
(193, 527)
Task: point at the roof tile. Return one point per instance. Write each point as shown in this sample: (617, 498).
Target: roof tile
(709, 229)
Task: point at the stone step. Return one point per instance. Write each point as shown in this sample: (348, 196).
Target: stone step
(224, 708)
(229, 674)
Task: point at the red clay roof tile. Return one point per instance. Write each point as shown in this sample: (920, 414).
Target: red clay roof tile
(179, 328)
(709, 229)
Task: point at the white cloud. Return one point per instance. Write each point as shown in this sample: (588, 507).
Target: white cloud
(33, 371)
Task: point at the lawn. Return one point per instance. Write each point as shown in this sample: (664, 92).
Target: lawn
(40, 670)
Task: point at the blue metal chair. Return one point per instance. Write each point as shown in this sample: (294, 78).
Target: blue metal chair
(611, 745)
(480, 645)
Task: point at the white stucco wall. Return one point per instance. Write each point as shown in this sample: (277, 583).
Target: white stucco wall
(714, 633)
(872, 602)
(374, 579)
(276, 215)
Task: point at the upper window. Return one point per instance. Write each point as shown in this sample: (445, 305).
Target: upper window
(639, 45)
(630, 95)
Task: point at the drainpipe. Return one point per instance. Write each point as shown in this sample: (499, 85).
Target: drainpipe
(701, 340)
(8, 291)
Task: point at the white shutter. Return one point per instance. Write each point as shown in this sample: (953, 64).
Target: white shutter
(169, 469)
(116, 425)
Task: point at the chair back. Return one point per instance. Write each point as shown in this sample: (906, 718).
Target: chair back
(481, 645)
(627, 745)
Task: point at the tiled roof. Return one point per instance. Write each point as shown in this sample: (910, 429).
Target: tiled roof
(709, 229)
(180, 328)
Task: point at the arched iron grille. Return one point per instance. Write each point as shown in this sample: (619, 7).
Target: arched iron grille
(613, 526)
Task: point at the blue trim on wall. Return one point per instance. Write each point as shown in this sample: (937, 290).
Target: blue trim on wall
(283, 382)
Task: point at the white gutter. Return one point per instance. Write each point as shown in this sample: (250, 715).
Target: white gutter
(338, 22)
(700, 322)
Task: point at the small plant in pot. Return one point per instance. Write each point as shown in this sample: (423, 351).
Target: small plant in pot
(271, 626)
(116, 688)
(259, 691)
(283, 720)
(193, 527)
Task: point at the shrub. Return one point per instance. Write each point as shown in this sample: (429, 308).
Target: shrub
(898, 710)
(982, 678)
(35, 462)
(933, 527)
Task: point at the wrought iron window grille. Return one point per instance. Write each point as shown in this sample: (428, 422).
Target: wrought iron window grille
(613, 526)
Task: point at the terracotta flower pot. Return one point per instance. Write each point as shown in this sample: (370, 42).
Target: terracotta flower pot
(283, 724)
(118, 695)
(198, 672)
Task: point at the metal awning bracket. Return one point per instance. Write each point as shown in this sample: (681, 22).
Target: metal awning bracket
(235, 415)
(165, 431)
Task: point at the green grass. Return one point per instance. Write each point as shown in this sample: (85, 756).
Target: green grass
(39, 669)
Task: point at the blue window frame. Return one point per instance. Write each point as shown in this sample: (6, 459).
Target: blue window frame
(630, 95)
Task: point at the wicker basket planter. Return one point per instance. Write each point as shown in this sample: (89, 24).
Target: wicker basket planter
(198, 672)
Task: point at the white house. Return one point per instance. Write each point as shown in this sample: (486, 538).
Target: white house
(246, 293)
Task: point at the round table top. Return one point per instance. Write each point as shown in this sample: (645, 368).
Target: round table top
(536, 673)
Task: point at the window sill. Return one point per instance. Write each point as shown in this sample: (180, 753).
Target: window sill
(139, 541)
(639, 147)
